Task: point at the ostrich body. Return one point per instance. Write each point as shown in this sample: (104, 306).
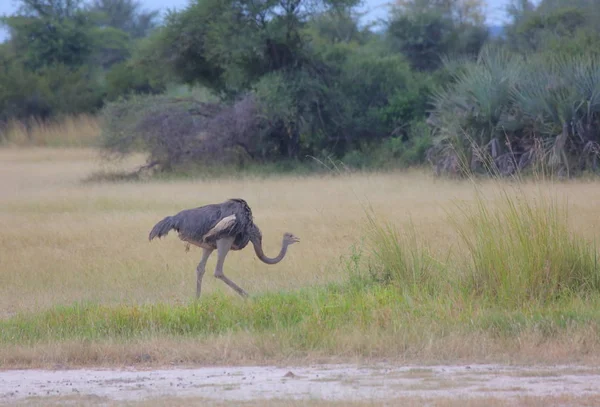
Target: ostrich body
(222, 227)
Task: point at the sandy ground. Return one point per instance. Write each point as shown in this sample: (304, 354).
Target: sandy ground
(323, 382)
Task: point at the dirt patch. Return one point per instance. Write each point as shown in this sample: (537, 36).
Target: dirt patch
(378, 382)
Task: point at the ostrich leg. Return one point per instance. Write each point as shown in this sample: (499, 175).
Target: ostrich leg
(201, 269)
(223, 246)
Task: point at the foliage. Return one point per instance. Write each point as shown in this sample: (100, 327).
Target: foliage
(228, 45)
(124, 15)
(322, 84)
(59, 53)
(51, 32)
(304, 112)
(53, 90)
(381, 94)
(559, 26)
(427, 30)
(505, 113)
(336, 26)
(337, 93)
(110, 46)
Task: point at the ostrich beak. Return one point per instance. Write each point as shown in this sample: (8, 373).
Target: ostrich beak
(295, 239)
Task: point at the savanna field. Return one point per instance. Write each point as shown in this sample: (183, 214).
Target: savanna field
(397, 266)
(439, 162)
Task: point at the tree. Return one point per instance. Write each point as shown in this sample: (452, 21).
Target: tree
(46, 32)
(142, 73)
(227, 45)
(125, 15)
(427, 30)
(60, 54)
(563, 26)
(461, 11)
(339, 26)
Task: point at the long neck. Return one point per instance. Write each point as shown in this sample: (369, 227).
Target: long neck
(261, 255)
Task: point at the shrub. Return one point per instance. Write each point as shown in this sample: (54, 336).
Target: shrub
(123, 79)
(425, 31)
(393, 152)
(381, 96)
(52, 91)
(181, 132)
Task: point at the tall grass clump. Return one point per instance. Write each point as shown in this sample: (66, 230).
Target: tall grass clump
(69, 131)
(510, 251)
(403, 259)
(522, 250)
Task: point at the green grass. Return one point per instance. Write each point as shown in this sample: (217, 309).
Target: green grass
(310, 309)
(309, 316)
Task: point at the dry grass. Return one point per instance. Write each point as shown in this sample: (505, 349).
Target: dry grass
(74, 131)
(63, 241)
(575, 347)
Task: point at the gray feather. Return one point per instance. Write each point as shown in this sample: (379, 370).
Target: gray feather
(162, 228)
(194, 224)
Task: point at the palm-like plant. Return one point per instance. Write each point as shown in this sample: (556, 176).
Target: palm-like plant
(559, 99)
(471, 114)
(545, 108)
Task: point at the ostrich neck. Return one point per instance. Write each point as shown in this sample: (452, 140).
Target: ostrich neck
(261, 255)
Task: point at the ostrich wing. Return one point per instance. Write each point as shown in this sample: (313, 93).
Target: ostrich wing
(212, 222)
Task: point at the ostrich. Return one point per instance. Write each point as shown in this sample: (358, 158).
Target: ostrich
(222, 227)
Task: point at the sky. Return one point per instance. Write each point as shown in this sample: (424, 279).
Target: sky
(495, 12)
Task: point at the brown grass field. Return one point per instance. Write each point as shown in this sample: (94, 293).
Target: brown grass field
(64, 241)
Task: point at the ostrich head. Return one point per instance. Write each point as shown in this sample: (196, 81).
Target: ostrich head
(289, 239)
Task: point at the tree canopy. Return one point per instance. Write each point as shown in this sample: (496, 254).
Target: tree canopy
(285, 80)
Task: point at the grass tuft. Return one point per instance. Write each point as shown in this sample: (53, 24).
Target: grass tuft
(515, 250)
(523, 250)
(403, 259)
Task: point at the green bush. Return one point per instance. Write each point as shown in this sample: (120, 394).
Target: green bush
(51, 91)
(393, 152)
(380, 95)
(58, 54)
(122, 80)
